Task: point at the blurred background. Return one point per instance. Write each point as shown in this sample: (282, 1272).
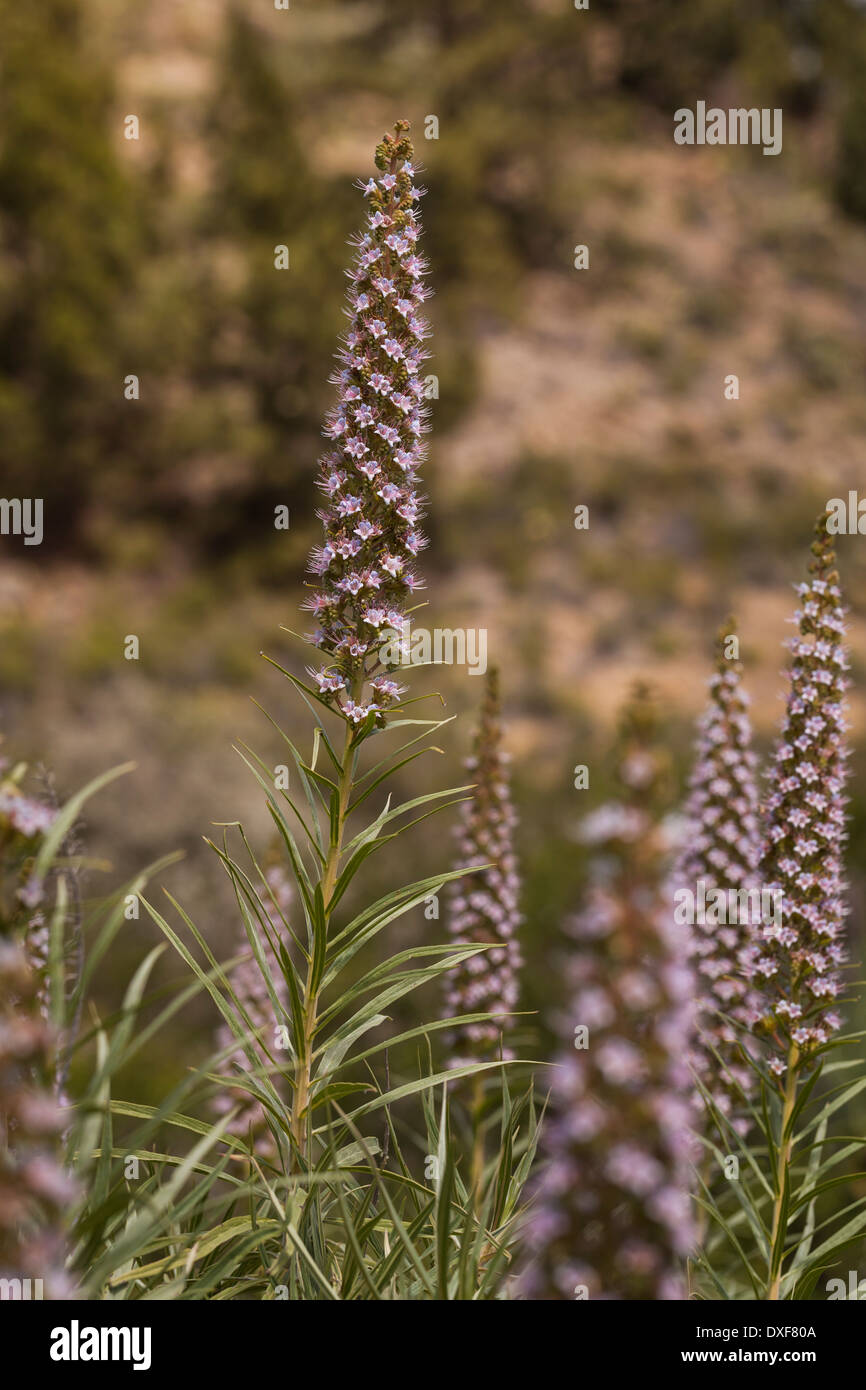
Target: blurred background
(557, 387)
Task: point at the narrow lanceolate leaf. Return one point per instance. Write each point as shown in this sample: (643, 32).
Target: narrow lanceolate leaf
(68, 816)
(442, 1207)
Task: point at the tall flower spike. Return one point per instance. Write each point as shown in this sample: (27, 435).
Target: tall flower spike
(805, 826)
(484, 904)
(24, 821)
(613, 1218)
(721, 851)
(35, 1189)
(252, 992)
(364, 570)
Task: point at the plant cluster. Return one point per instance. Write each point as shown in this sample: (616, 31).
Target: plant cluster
(323, 1152)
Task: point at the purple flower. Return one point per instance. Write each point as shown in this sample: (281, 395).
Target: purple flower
(251, 991)
(29, 817)
(483, 905)
(35, 1188)
(805, 826)
(722, 846)
(369, 502)
(612, 1200)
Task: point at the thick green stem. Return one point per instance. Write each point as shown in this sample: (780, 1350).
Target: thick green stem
(301, 1097)
(786, 1140)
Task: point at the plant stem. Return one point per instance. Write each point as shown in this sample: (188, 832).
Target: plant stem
(784, 1158)
(311, 997)
(702, 1217)
(477, 1139)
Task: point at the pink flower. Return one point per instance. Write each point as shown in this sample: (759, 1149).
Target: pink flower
(483, 906)
(721, 849)
(612, 1198)
(805, 822)
(378, 390)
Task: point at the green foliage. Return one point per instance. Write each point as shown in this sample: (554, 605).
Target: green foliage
(70, 238)
(343, 1209)
(110, 262)
(268, 192)
(776, 1226)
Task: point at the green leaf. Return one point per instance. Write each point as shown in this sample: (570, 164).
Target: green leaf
(69, 815)
(442, 1205)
